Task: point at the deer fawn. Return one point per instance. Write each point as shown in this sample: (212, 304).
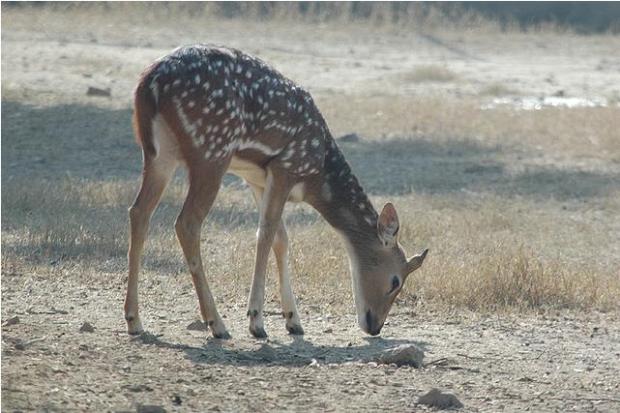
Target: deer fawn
(219, 110)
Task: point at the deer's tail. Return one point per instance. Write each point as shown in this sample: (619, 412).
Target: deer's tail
(145, 109)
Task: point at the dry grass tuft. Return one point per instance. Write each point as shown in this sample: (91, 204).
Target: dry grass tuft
(514, 277)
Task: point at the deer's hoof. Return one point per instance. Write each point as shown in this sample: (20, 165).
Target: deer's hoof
(134, 326)
(295, 330)
(225, 335)
(258, 332)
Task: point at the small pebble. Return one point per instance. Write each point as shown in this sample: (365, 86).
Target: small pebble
(349, 137)
(197, 326)
(11, 321)
(96, 91)
(87, 328)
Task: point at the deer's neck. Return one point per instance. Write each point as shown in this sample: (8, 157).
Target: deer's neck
(341, 200)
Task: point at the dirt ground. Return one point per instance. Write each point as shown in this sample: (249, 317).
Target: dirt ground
(57, 137)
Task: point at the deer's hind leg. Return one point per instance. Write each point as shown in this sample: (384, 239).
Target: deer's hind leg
(203, 188)
(280, 250)
(156, 175)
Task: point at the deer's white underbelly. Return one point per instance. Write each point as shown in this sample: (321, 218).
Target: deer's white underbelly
(257, 176)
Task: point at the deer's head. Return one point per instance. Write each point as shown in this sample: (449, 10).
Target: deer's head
(379, 276)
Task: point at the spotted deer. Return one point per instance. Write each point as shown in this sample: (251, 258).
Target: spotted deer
(217, 110)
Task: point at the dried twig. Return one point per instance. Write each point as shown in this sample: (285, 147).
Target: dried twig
(438, 361)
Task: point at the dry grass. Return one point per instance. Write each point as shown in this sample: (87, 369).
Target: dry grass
(484, 257)
(519, 208)
(508, 228)
(424, 17)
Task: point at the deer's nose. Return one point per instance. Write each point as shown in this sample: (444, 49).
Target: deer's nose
(372, 326)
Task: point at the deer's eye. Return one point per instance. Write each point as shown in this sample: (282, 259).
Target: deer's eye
(395, 284)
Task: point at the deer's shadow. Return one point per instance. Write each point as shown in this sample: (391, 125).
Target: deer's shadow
(297, 353)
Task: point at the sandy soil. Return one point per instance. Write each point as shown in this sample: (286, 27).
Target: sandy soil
(505, 362)
(499, 363)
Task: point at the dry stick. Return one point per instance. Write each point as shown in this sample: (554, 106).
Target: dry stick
(469, 357)
(439, 360)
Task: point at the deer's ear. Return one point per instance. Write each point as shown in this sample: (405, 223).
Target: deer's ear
(387, 225)
(416, 261)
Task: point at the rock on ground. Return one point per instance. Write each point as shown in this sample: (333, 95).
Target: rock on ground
(87, 328)
(435, 398)
(406, 354)
(197, 326)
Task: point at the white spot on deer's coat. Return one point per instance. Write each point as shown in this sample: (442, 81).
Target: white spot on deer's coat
(258, 146)
(188, 126)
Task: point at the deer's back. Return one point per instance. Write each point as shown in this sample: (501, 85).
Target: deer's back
(220, 102)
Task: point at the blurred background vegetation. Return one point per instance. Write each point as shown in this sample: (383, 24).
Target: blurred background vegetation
(580, 17)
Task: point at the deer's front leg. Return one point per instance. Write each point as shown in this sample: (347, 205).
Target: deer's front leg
(280, 249)
(276, 192)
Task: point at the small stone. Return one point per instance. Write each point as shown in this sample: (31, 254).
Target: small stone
(138, 388)
(406, 354)
(11, 321)
(328, 330)
(197, 326)
(87, 328)
(350, 137)
(150, 408)
(435, 398)
(95, 91)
